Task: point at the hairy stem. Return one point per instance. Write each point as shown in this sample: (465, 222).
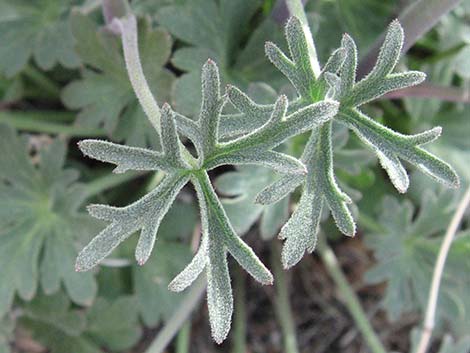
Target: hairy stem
(282, 303)
(130, 44)
(30, 122)
(109, 181)
(296, 8)
(187, 305)
(416, 19)
(438, 271)
(350, 298)
(239, 325)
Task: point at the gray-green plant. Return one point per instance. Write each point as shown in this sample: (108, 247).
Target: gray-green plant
(250, 137)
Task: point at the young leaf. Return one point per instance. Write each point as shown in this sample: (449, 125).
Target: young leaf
(35, 30)
(340, 84)
(39, 214)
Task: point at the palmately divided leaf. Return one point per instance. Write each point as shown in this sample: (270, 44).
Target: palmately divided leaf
(35, 30)
(53, 323)
(406, 249)
(39, 214)
(212, 29)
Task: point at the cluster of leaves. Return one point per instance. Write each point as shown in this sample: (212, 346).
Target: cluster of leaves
(277, 145)
(333, 92)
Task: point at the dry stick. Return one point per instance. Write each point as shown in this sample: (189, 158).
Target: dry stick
(438, 271)
(416, 19)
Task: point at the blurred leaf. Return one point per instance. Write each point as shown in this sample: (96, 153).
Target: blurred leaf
(155, 301)
(242, 186)
(104, 94)
(40, 224)
(6, 334)
(60, 328)
(219, 31)
(406, 251)
(35, 28)
(115, 323)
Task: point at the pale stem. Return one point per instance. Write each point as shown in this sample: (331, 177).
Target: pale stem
(128, 28)
(430, 316)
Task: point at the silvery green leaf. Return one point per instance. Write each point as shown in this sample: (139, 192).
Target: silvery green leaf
(186, 277)
(300, 54)
(126, 158)
(212, 104)
(279, 189)
(301, 228)
(390, 145)
(219, 225)
(277, 161)
(145, 214)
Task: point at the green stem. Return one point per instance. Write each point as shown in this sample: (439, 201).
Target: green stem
(349, 296)
(109, 181)
(239, 329)
(296, 8)
(181, 314)
(48, 86)
(29, 122)
(183, 338)
(282, 303)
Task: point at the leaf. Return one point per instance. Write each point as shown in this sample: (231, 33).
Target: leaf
(62, 329)
(104, 94)
(215, 30)
(34, 30)
(155, 302)
(115, 323)
(340, 84)
(241, 187)
(406, 251)
(40, 223)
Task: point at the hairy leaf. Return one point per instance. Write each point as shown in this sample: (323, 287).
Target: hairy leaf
(340, 84)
